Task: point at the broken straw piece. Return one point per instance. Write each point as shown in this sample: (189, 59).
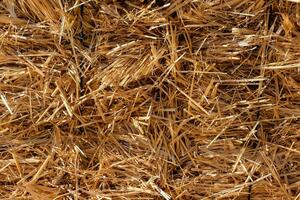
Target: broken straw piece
(4, 100)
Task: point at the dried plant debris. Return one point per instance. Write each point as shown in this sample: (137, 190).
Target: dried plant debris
(150, 99)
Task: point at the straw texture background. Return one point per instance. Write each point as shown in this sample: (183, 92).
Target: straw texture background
(150, 99)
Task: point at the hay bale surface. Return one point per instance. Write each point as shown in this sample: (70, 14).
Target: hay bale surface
(149, 99)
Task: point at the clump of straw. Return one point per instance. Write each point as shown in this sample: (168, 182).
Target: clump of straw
(149, 99)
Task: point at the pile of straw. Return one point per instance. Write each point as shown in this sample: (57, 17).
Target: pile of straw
(150, 99)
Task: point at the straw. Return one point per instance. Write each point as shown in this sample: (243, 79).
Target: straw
(149, 99)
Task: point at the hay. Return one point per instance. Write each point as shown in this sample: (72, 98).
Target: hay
(145, 99)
